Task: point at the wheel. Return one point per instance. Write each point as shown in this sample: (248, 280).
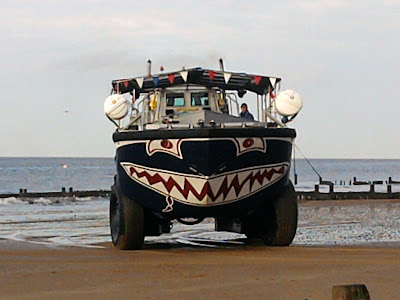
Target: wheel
(275, 224)
(126, 221)
(285, 214)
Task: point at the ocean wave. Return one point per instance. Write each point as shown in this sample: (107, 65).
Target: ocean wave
(42, 201)
(85, 198)
(10, 201)
(18, 201)
(49, 201)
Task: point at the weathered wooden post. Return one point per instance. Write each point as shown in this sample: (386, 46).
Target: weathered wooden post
(350, 292)
(389, 189)
(316, 192)
(372, 188)
(331, 188)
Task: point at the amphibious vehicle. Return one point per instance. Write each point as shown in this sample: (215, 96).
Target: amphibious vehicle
(184, 153)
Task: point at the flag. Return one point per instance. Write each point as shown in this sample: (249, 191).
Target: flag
(184, 75)
(171, 78)
(140, 82)
(155, 80)
(211, 74)
(227, 76)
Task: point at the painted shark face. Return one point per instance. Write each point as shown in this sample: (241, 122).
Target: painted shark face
(200, 190)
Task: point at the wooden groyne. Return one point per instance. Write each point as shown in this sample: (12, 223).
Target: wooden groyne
(23, 193)
(333, 195)
(316, 194)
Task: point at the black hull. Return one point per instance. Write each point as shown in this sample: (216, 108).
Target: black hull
(210, 172)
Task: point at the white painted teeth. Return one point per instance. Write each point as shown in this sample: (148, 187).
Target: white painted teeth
(215, 184)
(197, 183)
(205, 190)
(164, 176)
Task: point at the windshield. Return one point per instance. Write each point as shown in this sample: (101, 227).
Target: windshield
(175, 99)
(199, 99)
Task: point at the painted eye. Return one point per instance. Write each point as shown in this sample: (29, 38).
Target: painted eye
(248, 143)
(166, 144)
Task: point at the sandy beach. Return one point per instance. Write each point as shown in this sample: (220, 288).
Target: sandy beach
(180, 271)
(253, 272)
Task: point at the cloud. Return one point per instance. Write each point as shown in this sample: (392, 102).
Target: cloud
(63, 54)
(323, 6)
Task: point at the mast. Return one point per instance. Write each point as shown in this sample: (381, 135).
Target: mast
(149, 68)
(225, 108)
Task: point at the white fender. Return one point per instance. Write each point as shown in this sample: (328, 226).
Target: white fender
(116, 107)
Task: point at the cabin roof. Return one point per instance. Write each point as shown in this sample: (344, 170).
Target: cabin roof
(209, 78)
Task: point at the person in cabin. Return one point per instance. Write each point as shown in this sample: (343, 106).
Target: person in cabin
(245, 113)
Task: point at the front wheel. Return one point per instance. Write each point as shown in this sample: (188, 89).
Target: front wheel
(285, 215)
(276, 223)
(126, 221)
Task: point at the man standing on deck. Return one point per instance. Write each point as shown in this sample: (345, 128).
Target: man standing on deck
(245, 113)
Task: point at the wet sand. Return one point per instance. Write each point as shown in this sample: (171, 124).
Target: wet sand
(165, 271)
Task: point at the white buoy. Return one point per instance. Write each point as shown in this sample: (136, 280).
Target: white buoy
(116, 107)
(288, 103)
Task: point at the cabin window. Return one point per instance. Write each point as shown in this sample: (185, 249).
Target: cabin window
(177, 99)
(199, 99)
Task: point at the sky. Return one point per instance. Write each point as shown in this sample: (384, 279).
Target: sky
(342, 57)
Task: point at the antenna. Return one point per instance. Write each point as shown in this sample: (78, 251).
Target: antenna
(221, 65)
(149, 68)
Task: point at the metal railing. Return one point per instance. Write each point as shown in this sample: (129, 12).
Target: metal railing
(232, 100)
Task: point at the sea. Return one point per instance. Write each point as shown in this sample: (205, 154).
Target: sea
(51, 174)
(83, 222)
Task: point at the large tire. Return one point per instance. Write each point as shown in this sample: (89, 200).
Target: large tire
(126, 221)
(285, 215)
(275, 223)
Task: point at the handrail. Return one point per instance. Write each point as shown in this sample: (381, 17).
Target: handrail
(140, 113)
(232, 97)
(139, 116)
(139, 110)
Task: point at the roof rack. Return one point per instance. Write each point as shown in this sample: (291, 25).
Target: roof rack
(205, 77)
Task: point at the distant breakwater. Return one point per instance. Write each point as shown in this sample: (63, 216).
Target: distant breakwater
(23, 193)
(316, 194)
